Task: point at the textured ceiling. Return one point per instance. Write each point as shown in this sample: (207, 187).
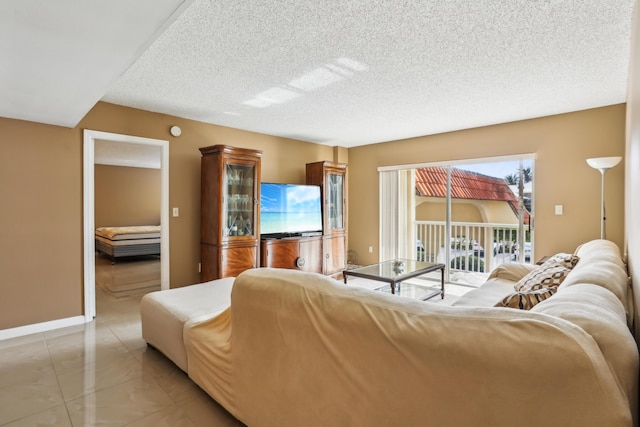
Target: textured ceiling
(334, 72)
(357, 72)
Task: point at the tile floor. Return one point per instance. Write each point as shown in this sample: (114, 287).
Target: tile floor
(101, 373)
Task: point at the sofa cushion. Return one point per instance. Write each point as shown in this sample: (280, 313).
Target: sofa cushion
(527, 300)
(566, 260)
(487, 295)
(549, 274)
(511, 271)
(601, 264)
(600, 250)
(598, 312)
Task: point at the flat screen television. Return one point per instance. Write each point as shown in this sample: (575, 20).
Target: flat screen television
(289, 210)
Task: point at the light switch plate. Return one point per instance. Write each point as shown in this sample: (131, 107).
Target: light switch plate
(176, 212)
(559, 209)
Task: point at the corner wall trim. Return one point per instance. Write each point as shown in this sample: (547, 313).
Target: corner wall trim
(40, 327)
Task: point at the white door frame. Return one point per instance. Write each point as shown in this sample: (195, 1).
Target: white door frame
(90, 137)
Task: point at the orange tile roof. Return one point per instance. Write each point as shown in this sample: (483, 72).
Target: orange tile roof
(432, 182)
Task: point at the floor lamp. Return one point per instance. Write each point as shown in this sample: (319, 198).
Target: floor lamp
(603, 164)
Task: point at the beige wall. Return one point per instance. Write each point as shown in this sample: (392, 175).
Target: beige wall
(632, 165)
(561, 144)
(126, 196)
(40, 223)
(41, 190)
(283, 161)
(435, 209)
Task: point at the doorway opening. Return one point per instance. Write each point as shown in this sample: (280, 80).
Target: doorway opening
(130, 144)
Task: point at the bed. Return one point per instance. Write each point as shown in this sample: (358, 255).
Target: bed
(117, 242)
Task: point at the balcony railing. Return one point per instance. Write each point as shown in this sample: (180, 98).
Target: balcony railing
(474, 247)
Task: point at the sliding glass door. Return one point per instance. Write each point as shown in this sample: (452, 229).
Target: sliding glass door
(470, 216)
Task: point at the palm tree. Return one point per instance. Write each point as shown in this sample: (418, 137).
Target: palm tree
(514, 179)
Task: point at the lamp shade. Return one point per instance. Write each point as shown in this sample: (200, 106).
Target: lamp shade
(603, 162)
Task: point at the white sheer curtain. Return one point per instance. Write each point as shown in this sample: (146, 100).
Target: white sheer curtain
(389, 202)
(396, 214)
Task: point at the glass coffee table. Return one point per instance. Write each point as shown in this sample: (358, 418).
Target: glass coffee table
(396, 271)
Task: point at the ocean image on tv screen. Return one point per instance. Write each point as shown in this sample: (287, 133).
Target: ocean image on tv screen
(287, 208)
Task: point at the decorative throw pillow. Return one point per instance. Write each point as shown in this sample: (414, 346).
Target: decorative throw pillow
(566, 260)
(547, 275)
(526, 300)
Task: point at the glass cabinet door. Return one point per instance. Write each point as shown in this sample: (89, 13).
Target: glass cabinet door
(239, 200)
(334, 188)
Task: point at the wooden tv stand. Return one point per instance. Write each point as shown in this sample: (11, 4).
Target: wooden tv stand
(297, 253)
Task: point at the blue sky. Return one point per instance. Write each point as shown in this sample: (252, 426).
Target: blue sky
(299, 198)
(498, 169)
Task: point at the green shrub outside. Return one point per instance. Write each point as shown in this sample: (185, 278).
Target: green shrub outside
(475, 263)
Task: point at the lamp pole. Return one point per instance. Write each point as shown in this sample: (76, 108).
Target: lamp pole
(603, 215)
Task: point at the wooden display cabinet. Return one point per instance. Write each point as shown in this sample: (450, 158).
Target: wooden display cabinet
(230, 211)
(332, 179)
(298, 253)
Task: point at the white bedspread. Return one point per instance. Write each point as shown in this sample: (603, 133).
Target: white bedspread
(129, 232)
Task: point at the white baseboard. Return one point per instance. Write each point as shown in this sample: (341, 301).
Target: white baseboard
(40, 327)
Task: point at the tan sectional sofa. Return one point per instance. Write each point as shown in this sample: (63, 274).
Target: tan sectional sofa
(164, 314)
(300, 349)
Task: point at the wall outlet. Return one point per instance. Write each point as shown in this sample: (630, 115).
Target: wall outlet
(559, 210)
(370, 249)
(176, 212)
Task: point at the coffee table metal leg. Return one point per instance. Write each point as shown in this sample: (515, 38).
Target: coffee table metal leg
(442, 283)
(393, 288)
